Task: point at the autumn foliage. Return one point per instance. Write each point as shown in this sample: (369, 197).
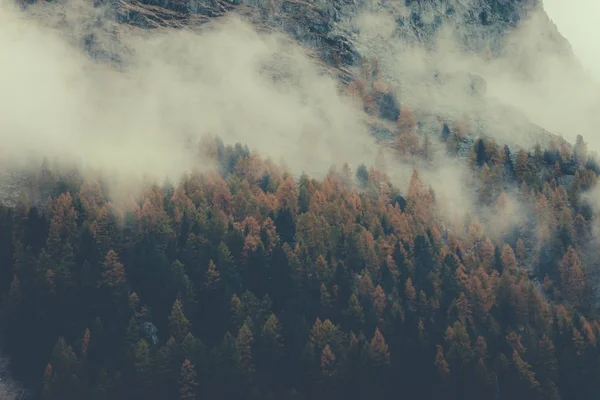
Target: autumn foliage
(252, 283)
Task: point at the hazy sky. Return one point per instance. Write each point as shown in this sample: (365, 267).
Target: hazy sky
(578, 21)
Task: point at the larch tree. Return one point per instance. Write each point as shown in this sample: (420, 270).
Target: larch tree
(521, 252)
(178, 323)
(409, 291)
(572, 277)
(105, 229)
(379, 301)
(244, 342)
(459, 345)
(113, 275)
(322, 333)
(509, 262)
(85, 343)
(188, 384)
(272, 335)
(143, 365)
(378, 350)
(327, 361)
(65, 370)
(212, 276)
(287, 195)
(580, 151)
(525, 371)
(406, 120)
(486, 252)
(547, 367)
(522, 165)
(355, 311)
(181, 283)
(441, 363)
(92, 198)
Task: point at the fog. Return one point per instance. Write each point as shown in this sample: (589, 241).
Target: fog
(535, 74)
(144, 116)
(577, 20)
(176, 87)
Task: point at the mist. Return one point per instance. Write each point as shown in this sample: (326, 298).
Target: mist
(144, 114)
(533, 79)
(577, 20)
(175, 87)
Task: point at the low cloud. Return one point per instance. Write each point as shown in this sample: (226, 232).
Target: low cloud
(174, 87)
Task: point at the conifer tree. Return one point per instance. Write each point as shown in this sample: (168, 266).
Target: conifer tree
(244, 343)
(143, 366)
(378, 350)
(187, 382)
(178, 323)
(327, 361)
(572, 277)
(113, 275)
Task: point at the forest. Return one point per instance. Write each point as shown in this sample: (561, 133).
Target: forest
(247, 282)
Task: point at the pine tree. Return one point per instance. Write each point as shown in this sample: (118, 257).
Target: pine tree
(459, 344)
(91, 198)
(47, 390)
(187, 382)
(462, 309)
(572, 277)
(547, 368)
(378, 350)
(522, 165)
(379, 301)
(113, 275)
(244, 342)
(409, 292)
(85, 343)
(509, 262)
(105, 229)
(212, 277)
(355, 311)
(580, 151)
(441, 364)
(182, 284)
(143, 365)
(65, 372)
(271, 334)
(524, 371)
(178, 323)
(327, 361)
(322, 333)
(324, 298)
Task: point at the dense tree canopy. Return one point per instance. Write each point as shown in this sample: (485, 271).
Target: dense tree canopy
(250, 283)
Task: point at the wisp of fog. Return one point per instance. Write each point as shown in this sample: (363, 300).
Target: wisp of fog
(176, 86)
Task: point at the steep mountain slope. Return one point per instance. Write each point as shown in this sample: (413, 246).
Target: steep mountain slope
(445, 58)
(288, 255)
(514, 37)
(442, 59)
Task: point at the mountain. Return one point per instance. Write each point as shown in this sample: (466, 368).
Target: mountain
(515, 37)
(295, 200)
(445, 60)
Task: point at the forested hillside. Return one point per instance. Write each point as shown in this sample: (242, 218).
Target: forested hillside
(408, 224)
(246, 283)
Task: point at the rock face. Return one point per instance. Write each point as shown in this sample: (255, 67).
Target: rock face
(323, 25)
(329, 30)
(11, 184)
